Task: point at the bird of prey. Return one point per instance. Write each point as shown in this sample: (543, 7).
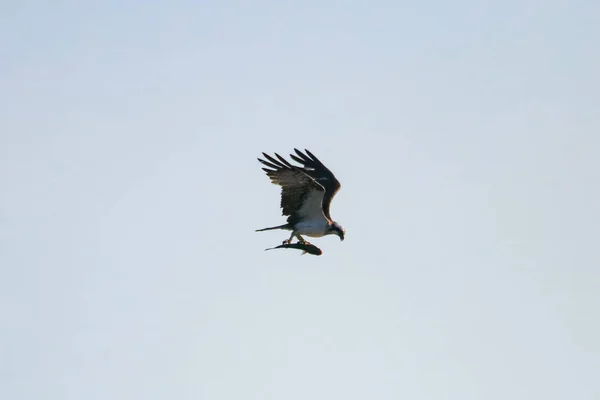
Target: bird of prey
(306, 194)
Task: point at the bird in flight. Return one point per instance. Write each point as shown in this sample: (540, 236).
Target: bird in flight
(306, 194)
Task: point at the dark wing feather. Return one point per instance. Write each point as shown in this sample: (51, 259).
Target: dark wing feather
(301, 195)
(316, 170)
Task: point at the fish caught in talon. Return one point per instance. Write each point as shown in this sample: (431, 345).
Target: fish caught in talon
(307, 247)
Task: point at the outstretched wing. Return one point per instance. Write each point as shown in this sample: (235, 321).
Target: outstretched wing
(301, 195)
(315, 169)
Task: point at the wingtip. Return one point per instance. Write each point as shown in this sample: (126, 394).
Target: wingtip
(311, 155)
(283, 161)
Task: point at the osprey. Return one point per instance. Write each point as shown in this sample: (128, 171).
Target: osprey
(306, 194)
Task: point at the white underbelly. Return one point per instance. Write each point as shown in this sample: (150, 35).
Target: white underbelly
(312, 228)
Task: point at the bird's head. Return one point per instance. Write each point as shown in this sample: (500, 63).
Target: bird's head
(337, 229)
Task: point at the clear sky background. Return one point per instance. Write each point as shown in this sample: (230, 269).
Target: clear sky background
(466, 136)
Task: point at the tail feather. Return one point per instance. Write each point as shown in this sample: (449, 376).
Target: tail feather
(284, 226)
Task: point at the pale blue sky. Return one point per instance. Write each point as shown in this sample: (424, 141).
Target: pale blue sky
(466, 138)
